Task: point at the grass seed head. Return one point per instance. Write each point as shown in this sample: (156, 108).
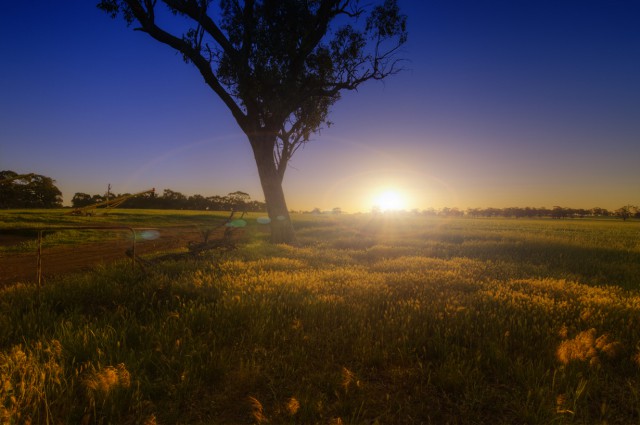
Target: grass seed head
(293, 406)
(257, 411)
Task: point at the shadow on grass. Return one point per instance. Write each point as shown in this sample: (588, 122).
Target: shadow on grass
(589, 265)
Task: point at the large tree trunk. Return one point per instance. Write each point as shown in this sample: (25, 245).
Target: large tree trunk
(281, 226)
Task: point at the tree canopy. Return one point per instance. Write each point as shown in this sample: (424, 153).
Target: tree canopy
(278, 65)
(28, 191)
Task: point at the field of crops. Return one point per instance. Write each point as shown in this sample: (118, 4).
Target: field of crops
(369, 319)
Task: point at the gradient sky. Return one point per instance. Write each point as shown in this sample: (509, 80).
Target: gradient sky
(503, 103)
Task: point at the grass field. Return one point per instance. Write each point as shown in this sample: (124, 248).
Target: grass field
(387, 320)
(28, 222)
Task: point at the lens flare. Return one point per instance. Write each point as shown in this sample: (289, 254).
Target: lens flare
(390, 200)
(149, 235)
(237, 223)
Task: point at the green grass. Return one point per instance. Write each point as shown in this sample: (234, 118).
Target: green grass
(402, 320)
(28, 223)
(129, 217)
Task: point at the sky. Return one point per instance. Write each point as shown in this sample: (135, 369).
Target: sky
(502, 103)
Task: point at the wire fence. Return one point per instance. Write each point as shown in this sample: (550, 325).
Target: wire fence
(101, 228)
(51, 251)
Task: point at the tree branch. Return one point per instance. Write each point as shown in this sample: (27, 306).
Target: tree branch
(147, 22)
(199, 14)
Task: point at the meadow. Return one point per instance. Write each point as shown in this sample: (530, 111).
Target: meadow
(387, 319)
(26, 223)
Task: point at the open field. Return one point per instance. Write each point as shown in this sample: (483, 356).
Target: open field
(66, 247)
(387, 319)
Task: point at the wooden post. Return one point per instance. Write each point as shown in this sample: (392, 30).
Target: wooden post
(39, 263)
(108, 195)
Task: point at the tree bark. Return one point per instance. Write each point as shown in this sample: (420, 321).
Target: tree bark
(281, 227)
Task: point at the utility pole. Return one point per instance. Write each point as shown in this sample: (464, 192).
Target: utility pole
(108, 194)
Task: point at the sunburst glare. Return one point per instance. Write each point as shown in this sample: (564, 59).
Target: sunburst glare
(390, 200)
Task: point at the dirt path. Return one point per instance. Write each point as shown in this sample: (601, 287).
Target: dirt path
(22, 267)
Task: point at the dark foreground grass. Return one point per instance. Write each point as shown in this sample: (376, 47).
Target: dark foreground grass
(370, 320)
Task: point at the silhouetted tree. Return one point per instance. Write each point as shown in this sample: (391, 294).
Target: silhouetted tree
(217, 203)
(600, 212)
(278, 65)
(98, 198)
(146, 200)
(626, 212)
(10, 187)
(34, 191)
(173, 200)
(238, 200)
(558, 212)
(80, 200)
(430, 212)
(257, 206)
(197, 202)
(43, 193)
(473, 212)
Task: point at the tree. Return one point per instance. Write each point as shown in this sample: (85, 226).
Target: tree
(626, 212)
(559, 212)
(43, 193)
(10, 183)
(278, 66)
(80, 200)
(97, 199)
(600, 212)
(28, 191)
(173, 200)
(238, 200)
(197, 202)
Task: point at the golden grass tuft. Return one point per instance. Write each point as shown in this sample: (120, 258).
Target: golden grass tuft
(580, 348)
(292, 406)
(257, 411)
(608, 347)
(100, 383)
(349, 379)
(585, 347)
(25, 376)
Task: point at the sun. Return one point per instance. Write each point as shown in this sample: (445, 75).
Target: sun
(390, 200)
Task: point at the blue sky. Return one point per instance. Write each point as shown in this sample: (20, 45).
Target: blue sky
(503, 103)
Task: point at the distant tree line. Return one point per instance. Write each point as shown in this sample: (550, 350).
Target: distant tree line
(626, 212)
(556, 212)
(28, 191)
(38, 191)
(170, 199)
(528, 212)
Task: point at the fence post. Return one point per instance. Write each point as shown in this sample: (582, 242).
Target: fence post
(39, 267)
(133, 248)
